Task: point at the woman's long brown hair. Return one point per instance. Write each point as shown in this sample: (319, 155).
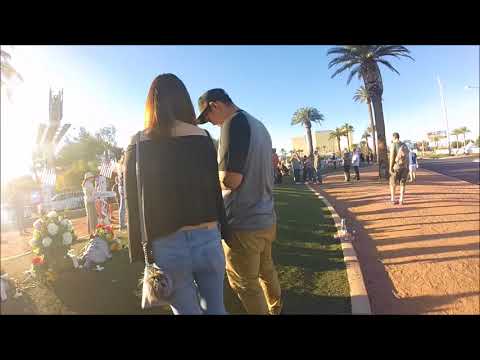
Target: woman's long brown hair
(168, 100)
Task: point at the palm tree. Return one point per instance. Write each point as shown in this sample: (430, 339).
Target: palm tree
(7, 71)
(306, 116)
(362, 96)
(337, 134)
(347, 130)
(463, 130)
(456, 132)
(362, 60)
(436, 139)
(366, 135)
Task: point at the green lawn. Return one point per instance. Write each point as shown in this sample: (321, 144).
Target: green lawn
(308, 259)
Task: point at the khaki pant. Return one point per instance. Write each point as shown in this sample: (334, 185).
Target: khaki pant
(91, 217)
(251, 272)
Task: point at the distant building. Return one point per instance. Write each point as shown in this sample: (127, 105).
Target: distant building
(321, 142)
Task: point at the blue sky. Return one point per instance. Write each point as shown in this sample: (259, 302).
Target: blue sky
(108, 85)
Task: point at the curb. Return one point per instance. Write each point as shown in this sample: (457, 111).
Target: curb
(358, 291)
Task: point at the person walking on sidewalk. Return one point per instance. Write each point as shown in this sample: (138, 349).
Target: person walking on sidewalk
(413, 166)
(356, 163)
(245, 172)
(317, 164)
(347, 162)
(399, 155)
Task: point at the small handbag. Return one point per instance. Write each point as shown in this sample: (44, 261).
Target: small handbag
(157, 285)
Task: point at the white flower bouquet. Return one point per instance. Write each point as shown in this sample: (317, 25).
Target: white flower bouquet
(52, 238)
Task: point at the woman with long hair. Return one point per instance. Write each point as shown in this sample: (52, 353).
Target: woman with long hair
(182, 201)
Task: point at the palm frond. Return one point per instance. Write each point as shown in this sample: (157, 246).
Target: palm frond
(307, 115)
(388, 65)
(338, 50)
(342, 69)
(392, 50)
(5, 55)
(353, 72)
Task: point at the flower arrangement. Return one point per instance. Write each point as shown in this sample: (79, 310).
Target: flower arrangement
(105, 232)
(51, 241)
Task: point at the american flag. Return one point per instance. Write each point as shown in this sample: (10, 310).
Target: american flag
(48, 177)
(107, 168)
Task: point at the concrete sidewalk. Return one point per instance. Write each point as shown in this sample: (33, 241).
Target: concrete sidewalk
(419, 258)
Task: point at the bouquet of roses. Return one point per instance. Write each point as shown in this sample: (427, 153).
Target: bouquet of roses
(100, 247)
(51, 241)
(106, 233)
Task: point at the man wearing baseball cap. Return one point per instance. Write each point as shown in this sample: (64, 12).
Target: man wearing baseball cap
(246, 178)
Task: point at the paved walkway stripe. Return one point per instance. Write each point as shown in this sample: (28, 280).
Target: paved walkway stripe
(358, 291)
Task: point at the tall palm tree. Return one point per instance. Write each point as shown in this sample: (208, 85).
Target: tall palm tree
(436, 139)
(347, 130)
(7, 71)
(362, 60)
(305, 116)
(337, 134)
(463, 130)
(456, 132)
(366, 135)
(362, 96)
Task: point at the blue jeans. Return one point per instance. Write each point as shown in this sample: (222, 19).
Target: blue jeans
(196, 262)
(296, 175)
(121, 212)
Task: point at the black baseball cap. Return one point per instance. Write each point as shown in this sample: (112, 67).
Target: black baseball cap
(211, 95)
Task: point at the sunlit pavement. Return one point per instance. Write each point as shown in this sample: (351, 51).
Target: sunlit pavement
(419, 258)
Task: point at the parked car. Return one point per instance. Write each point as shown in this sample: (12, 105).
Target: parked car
(65, 201)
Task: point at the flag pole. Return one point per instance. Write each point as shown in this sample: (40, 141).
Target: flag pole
(444, 107)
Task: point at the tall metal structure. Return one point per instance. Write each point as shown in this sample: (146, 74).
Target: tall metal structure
(444, 108)
(49, 136)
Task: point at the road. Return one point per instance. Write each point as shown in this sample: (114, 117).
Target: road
(465, 168)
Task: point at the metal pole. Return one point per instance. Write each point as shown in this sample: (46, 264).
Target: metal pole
(444, 113)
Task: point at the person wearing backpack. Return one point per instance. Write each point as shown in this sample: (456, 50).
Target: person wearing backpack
(399, 167)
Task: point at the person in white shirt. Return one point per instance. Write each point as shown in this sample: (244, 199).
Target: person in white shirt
(88, 187)
(356, 163)
(412, 156)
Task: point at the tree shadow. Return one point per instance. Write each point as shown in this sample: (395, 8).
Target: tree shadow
(399, 253)
(380, 229)
(432, 260)
(420, 216)
(430, 303)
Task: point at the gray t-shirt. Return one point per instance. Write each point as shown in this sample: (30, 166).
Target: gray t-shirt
(245, 147)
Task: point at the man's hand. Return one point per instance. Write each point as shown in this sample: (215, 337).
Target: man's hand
(230, 180)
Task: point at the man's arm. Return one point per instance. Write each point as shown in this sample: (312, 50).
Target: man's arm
(233, 151)
(392, 159)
